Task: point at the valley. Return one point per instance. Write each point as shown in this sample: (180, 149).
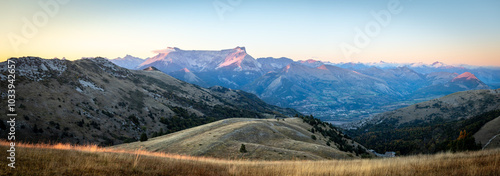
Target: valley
(330, 91)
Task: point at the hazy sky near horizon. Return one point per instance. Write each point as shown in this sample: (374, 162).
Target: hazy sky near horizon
(454, 32)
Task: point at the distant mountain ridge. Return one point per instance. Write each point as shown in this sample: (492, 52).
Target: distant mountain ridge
(488, 74)
(356, 91)
(128, 62)
(174, 59)
(230, 68)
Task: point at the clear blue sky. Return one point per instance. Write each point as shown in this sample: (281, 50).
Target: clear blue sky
(458, 31)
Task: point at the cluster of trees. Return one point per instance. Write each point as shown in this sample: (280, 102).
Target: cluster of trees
(183, 120)
(464, 142)
(226, 112)
(421, 136)
(334, 135)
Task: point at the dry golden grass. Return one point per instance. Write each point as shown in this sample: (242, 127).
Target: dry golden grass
(265, 139)
(63, 159)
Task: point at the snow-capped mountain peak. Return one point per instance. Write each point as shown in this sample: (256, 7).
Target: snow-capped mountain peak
(234, 58)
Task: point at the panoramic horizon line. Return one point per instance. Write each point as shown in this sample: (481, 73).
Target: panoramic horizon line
(295, 60)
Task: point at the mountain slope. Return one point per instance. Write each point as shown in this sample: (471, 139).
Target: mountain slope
(95, 101)
(267, 139)
(128, 62)
(489, 134)
(462, 82)
(231, 68)
(342, 97)
(273, 64)
(188, 76)
(324, 91)
(429, 126)
(401, 79)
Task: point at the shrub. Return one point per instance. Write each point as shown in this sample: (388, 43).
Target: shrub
(243, 148)
(134, 119)
(144, 137)
(80, 123)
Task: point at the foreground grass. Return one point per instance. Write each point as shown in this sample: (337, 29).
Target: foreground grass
(61, 159)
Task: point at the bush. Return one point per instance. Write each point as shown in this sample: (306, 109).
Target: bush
(243, 148)
(313, 137)
(144, 137)
(134, 119)
(80, 123)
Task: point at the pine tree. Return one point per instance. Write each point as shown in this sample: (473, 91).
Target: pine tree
(144, 137)
(243, 148)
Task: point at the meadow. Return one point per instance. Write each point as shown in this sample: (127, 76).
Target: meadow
(65, 159)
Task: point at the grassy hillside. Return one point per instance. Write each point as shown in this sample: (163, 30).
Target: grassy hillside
(264, 139)
(430, 126)
(489, 134)
(92, 160)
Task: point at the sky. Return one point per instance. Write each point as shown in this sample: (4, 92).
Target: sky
(405, 31)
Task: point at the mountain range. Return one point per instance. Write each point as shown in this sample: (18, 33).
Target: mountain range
(95, 101)
(330, 91)
(128, 62)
